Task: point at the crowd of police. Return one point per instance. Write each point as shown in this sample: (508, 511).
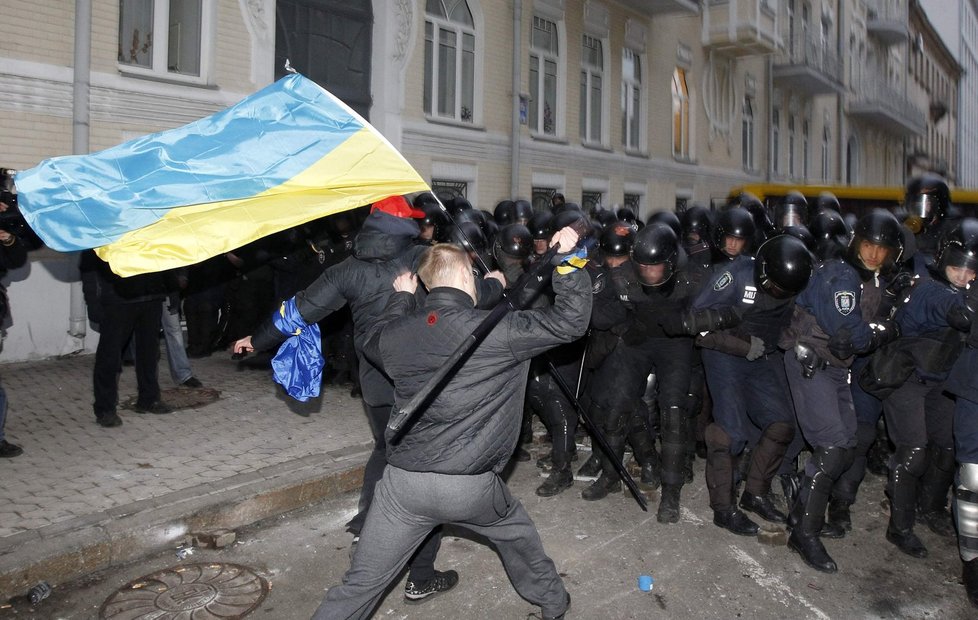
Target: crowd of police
(749, 339)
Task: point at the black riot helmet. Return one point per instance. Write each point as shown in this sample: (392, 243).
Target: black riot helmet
(668, 218)
(433, 216)
(505, 212)
(827, 200)
(605, 217)
(802, 234)
(617, 240)
(734, 222)
(539, 225)
(792, 210)
(926, 202)
(879, 228)
(625, 214)
(565, 218)
(456, 206)
(655, 244)
(782, 266)
(468, 236)
(959, 247)
(696, 219)
(524, 211)
(830, 233)
(513, 241)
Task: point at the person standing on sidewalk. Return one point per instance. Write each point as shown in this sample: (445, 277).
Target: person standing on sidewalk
(13, 254)
(445, 469)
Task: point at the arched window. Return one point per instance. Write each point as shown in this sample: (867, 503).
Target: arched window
(680, 114)
(592, 85)
(631, 99)
(544, 64)
(449, 60)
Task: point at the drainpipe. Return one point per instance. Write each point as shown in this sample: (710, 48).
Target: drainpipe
(514, 182)
(78, 318)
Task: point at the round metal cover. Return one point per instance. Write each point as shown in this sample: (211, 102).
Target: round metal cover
(188, 592)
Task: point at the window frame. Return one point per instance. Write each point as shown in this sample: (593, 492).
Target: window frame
(681, 130)
(589, 73)
(633, 89)
(775, 140)
(537, 108)
(430, 93)
(748, 126)
(158, 69)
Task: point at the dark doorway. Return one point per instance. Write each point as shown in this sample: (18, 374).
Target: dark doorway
(329, 42)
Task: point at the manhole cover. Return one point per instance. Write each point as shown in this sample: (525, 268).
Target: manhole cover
(182, 398)
(198, 591)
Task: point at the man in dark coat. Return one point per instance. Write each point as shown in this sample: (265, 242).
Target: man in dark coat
(446, 467)
(13, 254)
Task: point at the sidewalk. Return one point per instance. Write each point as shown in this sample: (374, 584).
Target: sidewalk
(83, 497)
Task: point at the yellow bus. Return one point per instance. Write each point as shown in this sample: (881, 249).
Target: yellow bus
(856, 199)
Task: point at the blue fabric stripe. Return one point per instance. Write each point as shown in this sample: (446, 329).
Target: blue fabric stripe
(259, 143)
(298, 365)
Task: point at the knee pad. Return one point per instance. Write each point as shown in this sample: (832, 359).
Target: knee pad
(717, 438)
(911, 459)
(673, 423)
(780, 432)
(832, 461)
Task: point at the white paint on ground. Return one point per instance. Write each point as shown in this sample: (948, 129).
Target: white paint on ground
(689, 516)
(773, 584)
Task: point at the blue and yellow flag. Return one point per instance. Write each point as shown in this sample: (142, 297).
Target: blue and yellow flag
(286, 155)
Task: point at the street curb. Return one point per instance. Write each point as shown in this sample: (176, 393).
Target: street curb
(72, 549)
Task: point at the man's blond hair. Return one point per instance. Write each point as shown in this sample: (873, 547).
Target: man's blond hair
(439, 266)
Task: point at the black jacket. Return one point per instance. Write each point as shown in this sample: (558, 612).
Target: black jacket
(383, 249)
(472, 425)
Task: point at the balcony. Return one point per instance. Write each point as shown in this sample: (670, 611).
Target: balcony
(651, 8)
(887, 20)
(808, 67)
(741, 27)
(883, 105)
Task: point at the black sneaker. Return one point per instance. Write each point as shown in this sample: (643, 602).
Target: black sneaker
(192, 382)
(109, 420)
(419, 593)
(154, 407)
(9, 450)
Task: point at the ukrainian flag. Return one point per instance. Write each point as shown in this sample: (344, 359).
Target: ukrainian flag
(286, 155)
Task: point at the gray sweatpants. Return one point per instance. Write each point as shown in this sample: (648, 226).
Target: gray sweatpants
(407, 505)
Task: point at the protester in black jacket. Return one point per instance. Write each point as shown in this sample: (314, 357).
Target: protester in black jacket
(446, 467)
(13, 254)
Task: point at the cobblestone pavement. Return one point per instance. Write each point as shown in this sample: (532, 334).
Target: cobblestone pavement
(71, 467)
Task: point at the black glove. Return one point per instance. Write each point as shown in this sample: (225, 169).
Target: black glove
(712, 320)
(840, 344)
(898, 286)
(756, 349)
(884, 331)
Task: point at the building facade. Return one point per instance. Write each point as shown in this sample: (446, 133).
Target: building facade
(651, 104)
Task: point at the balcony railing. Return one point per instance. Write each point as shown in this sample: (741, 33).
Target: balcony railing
(651, 8)
(887, 20)
(809, 65)
(741, 27)
(887, 107)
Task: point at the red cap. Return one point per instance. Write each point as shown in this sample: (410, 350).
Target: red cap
(398, 207)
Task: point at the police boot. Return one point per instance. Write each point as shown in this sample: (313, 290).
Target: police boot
(808, 514)
(969, 574)
(764, 463)
(669, 504)
(908, 465)
(558, 480)
(643, 447)
(591, 467)
(839, 520)
(720, 482)
(608, 481)
(790, 486)
(932, 502)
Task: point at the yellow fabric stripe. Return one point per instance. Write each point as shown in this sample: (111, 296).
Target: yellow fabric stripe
(362, 170)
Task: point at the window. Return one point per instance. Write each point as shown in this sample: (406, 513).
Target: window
(592, 75)
(633, 202)
(543, 198)
(590, 201)
(447, 190)
(166, 38)
(544, 59)
(631, 100)
(804, 147)
(791, 145)
(680, 115)
(776, 140)
(449, 60)
(747, 135)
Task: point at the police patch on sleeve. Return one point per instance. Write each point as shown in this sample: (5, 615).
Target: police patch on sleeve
(723, 281)
(599, 282)
(845, 302)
